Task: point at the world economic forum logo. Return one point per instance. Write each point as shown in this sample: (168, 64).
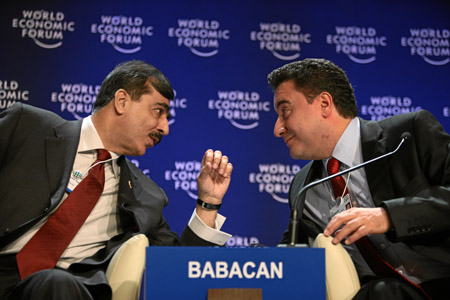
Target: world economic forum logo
(124, 33)
(184, 176)
(242, 109)
(76, 98)
(382, 107)
(201, 37)
(360, 44)
(433, 45)
(282, 40)
(45, 28)
(274, 179)
(10, 93)
(176, 104)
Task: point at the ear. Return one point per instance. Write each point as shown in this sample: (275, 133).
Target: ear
(326, 104)
(121, 101)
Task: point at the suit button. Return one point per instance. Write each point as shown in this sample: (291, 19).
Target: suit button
(46, 209)
(6, 230)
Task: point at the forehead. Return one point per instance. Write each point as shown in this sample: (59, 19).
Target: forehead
(155, 98)
(286, 92)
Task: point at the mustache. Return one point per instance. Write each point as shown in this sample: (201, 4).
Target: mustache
(156, 135)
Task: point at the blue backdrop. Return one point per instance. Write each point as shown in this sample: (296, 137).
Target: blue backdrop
(55, 54)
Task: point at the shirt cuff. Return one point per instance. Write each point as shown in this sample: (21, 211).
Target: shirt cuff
(213, 235)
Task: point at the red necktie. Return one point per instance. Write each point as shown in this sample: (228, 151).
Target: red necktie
(45, 248)
(377, 264)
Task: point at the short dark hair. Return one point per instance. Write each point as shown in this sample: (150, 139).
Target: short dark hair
(312, 76)
(133, 76)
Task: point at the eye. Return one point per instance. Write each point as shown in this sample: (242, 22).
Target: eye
(160, 112)
(284, 112)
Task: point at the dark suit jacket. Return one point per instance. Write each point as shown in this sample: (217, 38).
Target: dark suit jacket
(413, 184)
(37, 151)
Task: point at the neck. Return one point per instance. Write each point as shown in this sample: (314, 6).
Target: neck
(336, 130)
(102, 124)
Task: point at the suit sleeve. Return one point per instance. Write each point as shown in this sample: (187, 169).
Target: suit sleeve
(423, 211)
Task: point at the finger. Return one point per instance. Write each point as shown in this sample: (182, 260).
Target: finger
(208, 157)
(223, 164)
(216, 159)
(356, 235)
(343, 232)
(228, 170)
(336, 222)
(352, 231)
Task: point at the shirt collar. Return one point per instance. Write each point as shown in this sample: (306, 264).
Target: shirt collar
(348, 147)
(91, 141)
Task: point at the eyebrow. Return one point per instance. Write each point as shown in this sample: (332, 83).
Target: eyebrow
(164, 105)
(281, 102)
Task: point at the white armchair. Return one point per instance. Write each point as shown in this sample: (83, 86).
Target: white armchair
(342, 281)
(126, 268)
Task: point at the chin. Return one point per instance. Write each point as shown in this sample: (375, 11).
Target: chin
(137, 152)
(301, 156)
(295, 154)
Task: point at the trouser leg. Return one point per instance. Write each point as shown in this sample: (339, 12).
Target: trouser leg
(388, 288)
(50, 284)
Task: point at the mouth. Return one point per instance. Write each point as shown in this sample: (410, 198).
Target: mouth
(156, 137)
(287, 139)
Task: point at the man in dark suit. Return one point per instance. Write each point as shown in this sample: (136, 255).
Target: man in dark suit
(44, 157)
(402, 203)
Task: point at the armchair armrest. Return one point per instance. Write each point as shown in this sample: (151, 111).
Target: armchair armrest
(125, 270)
(342, 280)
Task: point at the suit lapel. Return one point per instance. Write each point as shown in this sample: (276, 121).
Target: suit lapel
(373, 143)
(126, 183)
(60, 151)
(129, 191)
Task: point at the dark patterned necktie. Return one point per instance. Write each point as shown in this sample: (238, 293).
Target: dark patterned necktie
(45, 248)
(377, 264)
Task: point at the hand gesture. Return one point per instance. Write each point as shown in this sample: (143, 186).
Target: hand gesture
(214, 178)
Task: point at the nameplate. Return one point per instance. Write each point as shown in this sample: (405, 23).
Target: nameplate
(188, 272)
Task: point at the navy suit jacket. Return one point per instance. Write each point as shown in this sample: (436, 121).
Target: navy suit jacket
(37, 151)
(413, 184)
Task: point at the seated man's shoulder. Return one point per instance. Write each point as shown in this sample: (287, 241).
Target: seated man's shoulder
(30, 112)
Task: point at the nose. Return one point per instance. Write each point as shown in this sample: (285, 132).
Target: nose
(163, 126)
(279, 129)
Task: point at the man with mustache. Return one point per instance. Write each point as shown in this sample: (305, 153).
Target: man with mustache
(43, 158)
(402, 203)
